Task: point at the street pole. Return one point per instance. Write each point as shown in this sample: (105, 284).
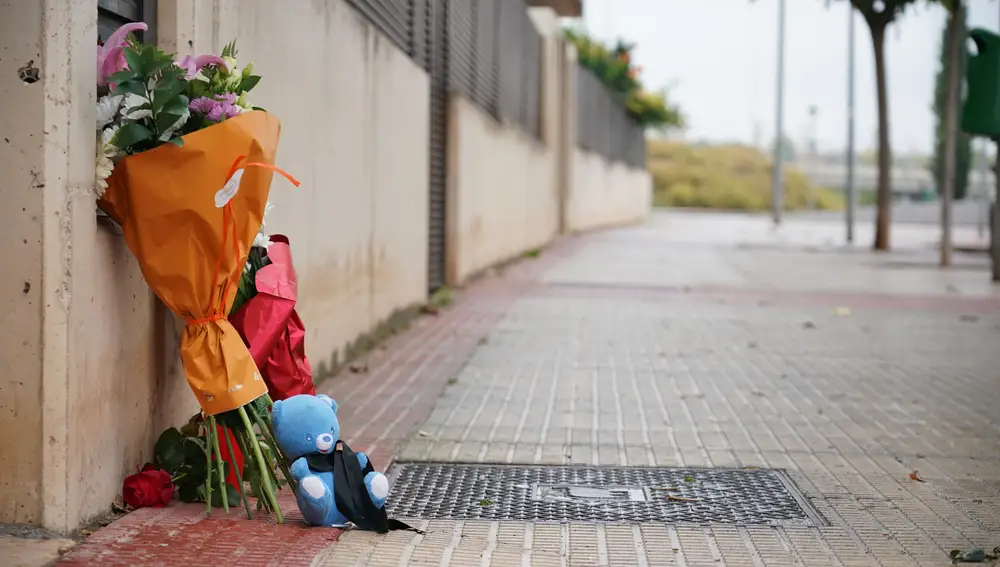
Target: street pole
(777, 184)
(851, 196)
(995, 225)
(813, 165)
(995, 216)
(983, 218)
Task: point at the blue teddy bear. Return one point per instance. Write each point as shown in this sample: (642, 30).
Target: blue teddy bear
(308, 432)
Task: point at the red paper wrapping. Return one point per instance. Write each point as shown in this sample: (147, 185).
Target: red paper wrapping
(227, 436)
(271, 328)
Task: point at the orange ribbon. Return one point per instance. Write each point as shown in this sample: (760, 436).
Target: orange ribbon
(229, 219)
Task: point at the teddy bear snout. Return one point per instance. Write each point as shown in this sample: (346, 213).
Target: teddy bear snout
(324, 441)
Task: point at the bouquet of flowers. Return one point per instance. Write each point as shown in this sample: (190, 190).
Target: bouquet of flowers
(184, 165)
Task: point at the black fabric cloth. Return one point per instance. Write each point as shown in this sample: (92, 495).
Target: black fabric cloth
(350, 492)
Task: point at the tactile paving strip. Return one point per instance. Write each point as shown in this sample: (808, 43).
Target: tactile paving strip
(580, 494)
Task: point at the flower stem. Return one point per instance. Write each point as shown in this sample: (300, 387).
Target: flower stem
(265, 486)
(281, 457)
(242, 440)
(224, 493)
(208, 469)
(239, 474)
(267, 430)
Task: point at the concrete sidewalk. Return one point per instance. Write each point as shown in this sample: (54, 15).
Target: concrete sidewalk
(709, 341)
(696, 340)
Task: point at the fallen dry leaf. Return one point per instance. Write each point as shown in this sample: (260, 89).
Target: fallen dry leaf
(358, 368)
(916, 476)
(842, 311)
(682, 499)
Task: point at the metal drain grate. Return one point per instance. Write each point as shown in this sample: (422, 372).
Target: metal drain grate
(556, 494)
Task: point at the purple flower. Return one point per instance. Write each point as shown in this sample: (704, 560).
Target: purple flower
(217, 108)
(202, 104)
(222, 111)
(194, 64)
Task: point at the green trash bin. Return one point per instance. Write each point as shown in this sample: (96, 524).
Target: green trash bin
(981, 112)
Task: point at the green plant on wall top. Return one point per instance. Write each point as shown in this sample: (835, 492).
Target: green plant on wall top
(613, 66)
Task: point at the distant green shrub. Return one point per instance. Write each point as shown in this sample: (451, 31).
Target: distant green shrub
(726, 177)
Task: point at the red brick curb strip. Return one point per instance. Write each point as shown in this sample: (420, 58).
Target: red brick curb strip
(181, 535)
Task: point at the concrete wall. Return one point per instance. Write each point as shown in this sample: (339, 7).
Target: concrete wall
(355, 131)
(597, 192)
(502, 198)
(92, 374)
(505, 186)
(606, 193)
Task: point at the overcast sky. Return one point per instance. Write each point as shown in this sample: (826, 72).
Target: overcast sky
(719, 57)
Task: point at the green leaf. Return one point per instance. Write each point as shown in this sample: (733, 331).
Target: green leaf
(131, 134)
(169, 94)
(194, 456)
(168, 453)
(123, 76)
(165, 119)
(178, 104)
(198, 88)
(134, 87)
(190, 492)
(231, 492)
(135, 60)
(248, 83)
(179, 142)
(190, 429)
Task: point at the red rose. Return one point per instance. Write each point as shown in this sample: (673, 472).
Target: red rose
(151, 487)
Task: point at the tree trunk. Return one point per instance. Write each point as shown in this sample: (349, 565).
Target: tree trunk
(955, 45)
(883, 220)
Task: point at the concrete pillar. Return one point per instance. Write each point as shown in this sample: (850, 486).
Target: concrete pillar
(557, 113)
(47, 78)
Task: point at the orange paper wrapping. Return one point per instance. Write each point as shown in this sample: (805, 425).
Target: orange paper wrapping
(165, 201)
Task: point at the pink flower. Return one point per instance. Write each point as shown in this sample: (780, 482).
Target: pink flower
(216, 108)
(202, 104)
(194, 64)
(222, 111)
(111, 56)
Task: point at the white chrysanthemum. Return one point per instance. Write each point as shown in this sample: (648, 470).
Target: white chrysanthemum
(262, 240)
(106, 151)
(107, 109)
(131, 107)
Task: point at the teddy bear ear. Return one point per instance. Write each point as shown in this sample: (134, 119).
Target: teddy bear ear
(329, 402)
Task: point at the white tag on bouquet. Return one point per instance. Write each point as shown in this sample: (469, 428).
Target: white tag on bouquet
(226, 194)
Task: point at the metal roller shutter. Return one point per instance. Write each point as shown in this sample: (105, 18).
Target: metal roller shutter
(112, 14)
(439, 65)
